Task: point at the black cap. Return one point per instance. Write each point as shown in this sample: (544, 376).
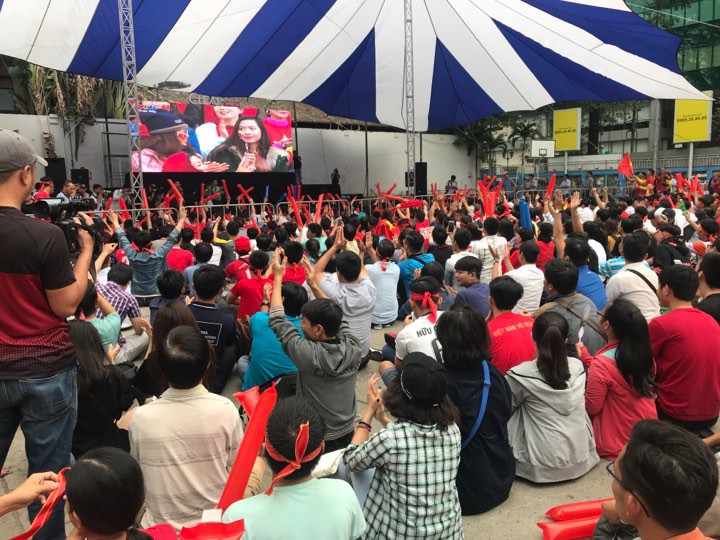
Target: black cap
(423, 380)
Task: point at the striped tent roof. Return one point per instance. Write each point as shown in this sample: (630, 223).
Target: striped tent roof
(472, 58)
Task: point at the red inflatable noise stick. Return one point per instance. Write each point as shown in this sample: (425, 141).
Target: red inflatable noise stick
(211, 197)
(259, 409)
(577, 510)
(573, 529)
(214, 531)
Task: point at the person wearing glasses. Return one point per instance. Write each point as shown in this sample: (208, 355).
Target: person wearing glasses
(663, 482)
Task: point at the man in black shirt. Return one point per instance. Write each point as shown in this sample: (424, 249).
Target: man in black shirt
(38, 389)
(709, 274)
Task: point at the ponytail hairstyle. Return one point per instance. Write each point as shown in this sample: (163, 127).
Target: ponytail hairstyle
(549, 332)
(634, 356)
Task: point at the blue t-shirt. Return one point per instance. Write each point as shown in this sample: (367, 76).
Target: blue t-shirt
(267, 358)
(477, 296)
(407, 272)
(591, 286)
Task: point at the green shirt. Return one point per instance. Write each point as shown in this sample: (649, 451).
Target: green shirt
(108, 328)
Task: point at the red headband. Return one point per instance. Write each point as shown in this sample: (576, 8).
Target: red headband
(383, 266)
(428, 301)
(301, 442)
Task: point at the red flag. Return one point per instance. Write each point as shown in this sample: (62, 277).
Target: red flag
(550, 188)
(626, 166)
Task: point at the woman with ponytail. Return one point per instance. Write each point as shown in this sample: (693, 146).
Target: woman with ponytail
(621, 389)
(549, 430)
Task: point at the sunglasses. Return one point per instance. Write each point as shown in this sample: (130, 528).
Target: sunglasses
(611, 471)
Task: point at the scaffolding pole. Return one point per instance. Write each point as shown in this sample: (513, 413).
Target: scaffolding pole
(127, 48)
(409, 100)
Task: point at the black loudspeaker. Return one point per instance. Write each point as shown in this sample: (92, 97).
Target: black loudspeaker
(56, 170)
(421, 178)
(80, 176)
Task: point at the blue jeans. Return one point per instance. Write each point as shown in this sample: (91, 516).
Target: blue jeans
(46, 411)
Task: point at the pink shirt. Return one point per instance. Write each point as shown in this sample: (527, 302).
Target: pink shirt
(612, 404)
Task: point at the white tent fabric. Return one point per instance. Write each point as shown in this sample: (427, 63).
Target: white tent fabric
(472, 58)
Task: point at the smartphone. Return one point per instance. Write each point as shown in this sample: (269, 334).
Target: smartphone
(451, 226)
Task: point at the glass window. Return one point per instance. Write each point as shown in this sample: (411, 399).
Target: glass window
(705, 57)
(716, 55)
(706, 10)
(7, 100)
(678, 16)
(690, 59)
(692, 12)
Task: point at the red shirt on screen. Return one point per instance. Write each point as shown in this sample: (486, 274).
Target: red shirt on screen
(179, 259)
(511, 340)
(249, 293)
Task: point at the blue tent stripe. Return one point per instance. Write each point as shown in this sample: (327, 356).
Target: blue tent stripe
(624, 29)
(563, 79)
(99, 51)
(456, 98)
(350, 91)
(273, 34)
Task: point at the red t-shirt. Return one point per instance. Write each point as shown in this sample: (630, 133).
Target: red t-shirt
(237, 270)
(179, 259)
(511, 340)
(547, 252)
(296, 273)
(249, 293)
(685, 345)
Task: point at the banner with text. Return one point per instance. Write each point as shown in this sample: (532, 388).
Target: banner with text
(566, 129)
(693, 120)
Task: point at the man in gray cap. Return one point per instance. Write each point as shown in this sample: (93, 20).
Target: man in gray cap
(38, 389)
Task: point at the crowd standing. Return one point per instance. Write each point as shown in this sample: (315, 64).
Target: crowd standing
(532, 345)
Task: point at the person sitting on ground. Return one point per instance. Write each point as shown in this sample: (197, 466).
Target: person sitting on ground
(709, 285)
(171, 285)
(247, 293)
(684, 344)
(437, 271)
(636, 281)
(296, 505)
(108, 474)
(620, 389)
(511, 340)
(385, 275)
(413, 493)
(145, 262)
(187, 239)
(561, 278)
(127, 307)
(461, 249)
(664, 480)
(239, 269)
(295, 271)
(589, 284)
(671, 248)
(217, 326)
(104, 393)
(473, 293)
(207, 235)
(487, 465)
(413, 259)
(203, 253)
(529, 276)
(178, 258)
(327, 357)
(267, 360)
(350, 288)
(550, 432)
(418, 334)
(490, 238)
(186, 441)
(109, 326)
(439, 248)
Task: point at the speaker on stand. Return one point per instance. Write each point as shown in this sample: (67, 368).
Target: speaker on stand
(421, 178)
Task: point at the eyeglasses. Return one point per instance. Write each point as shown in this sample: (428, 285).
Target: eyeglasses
(611, 471)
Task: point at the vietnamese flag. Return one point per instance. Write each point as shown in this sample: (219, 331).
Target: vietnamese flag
(550, 188)
(626, 166)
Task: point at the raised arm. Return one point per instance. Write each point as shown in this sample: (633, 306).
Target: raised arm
(574, 204)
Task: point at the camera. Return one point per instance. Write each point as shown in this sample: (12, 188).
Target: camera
(61, 213)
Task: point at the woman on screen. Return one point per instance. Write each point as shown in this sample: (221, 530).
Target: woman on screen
(248, 149)
(212, 134)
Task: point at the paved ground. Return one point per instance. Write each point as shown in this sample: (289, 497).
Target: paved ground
(513, 520)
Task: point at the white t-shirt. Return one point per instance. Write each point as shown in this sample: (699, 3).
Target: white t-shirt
(386, 306)
(531, 278)
(498, 243)
(216, 256)
(450, 266)
(599, 250)
(417, 336)
(357, 301)
(586, 214)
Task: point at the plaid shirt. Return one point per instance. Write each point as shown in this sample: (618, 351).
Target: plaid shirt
(124, 303)
(413, 493)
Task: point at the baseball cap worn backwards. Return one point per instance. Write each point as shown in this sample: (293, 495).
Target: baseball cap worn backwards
(16, 152)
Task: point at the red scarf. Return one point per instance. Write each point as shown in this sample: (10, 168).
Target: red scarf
(301, 442)
(147, 248)
(428, 301)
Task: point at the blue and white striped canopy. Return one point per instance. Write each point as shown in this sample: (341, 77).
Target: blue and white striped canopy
(472, 58)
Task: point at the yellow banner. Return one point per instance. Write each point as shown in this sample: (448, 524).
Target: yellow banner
(693, 119)
(566, 129)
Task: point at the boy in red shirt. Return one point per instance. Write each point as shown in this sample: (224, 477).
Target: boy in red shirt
(510, 333)
(294, 271)
(247, 293)
(179, 259)
(239, 269)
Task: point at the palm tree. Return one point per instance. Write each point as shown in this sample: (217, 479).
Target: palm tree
(523, 131)
(492, 144)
